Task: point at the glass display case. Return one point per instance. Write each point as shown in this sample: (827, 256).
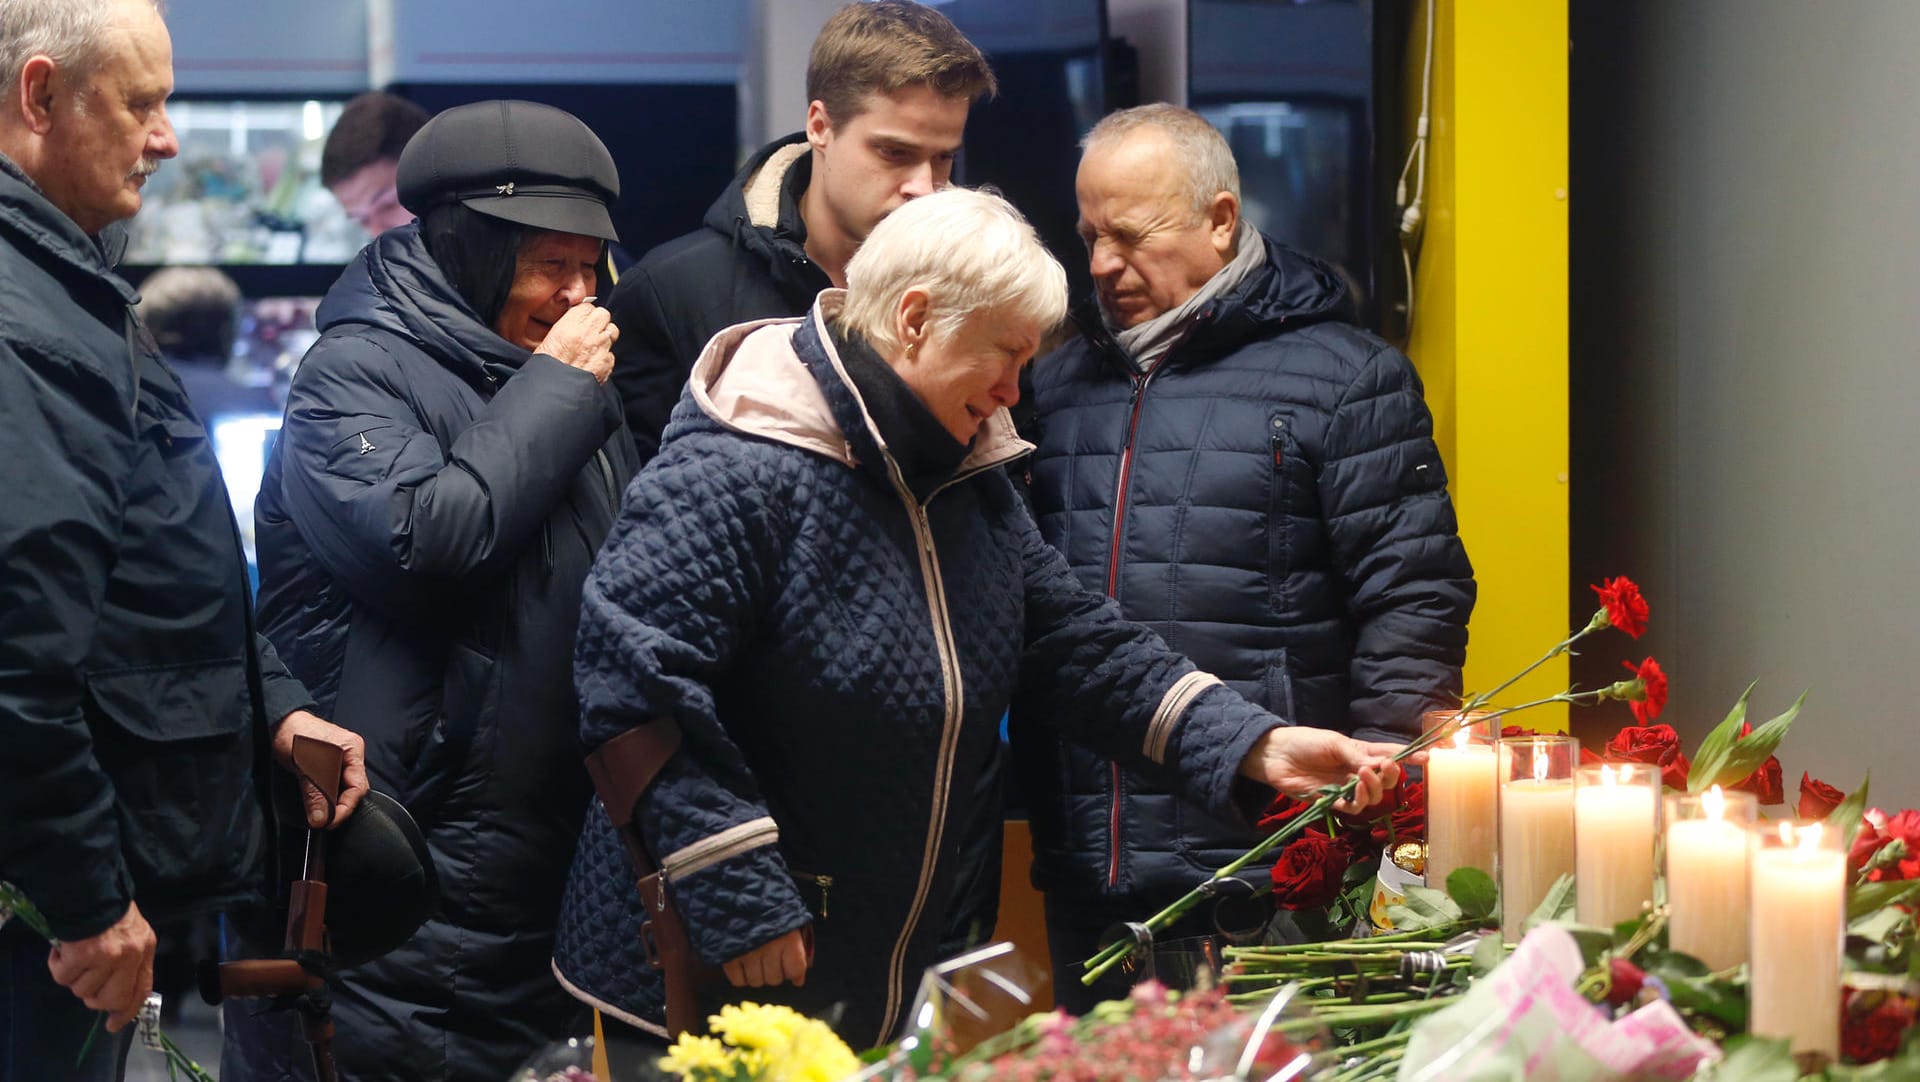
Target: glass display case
(245, 188)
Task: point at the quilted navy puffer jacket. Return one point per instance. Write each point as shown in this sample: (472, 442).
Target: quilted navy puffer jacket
(838, 656)
(1283, 520)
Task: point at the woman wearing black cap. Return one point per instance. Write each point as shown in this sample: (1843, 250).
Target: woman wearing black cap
(451, 459)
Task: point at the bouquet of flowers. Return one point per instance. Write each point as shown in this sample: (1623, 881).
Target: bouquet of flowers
(753, 1042)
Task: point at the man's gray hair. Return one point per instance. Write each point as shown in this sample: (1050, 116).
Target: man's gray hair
(69, 31)
(971, 252)
(1210, 168)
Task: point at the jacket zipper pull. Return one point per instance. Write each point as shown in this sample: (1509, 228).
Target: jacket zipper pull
(825, 883)
(1279, 446)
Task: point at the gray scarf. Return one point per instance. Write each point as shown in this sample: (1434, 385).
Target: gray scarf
(1150, 341)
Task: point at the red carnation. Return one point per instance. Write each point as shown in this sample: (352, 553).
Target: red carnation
(1404, 807)
(1308, 873)
(1874, 1023)
(1624, 606)
(1817, 798)
(1654, 745)
(1904, 828)
(1655, 682)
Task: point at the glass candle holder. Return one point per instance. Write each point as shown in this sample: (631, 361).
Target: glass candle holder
(1536, 822)
(1797, 906)
(1616, 807)
(1460, 794)
(1707, 870)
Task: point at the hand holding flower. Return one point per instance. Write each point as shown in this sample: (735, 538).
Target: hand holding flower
(1297, 759)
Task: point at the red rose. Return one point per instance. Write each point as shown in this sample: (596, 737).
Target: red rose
(1404, 807)
(1282, 811)
(1654, 745)
(1652, 679)
(1817, 798)
(1625, 608)
(1873, 1024)
(1626, 982)
(1764, 783)
(1308, 873)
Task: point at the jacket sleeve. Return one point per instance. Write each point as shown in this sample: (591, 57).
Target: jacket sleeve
(1397, 547)
(648, 369)
(66, 437)
(676, 591)
(1117, 687)
(401, 522)
(282, 691)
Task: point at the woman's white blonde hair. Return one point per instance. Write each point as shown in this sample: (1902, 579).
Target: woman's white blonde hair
(969, 250)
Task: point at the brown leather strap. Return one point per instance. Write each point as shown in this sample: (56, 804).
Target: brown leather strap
(623, 767)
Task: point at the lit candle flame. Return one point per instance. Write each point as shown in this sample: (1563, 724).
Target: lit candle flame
(1460, 738)
(1786, 833)
(1540, 762)
(1810, 838)
(1714, 803)
(1626, 774)
(1606, 775)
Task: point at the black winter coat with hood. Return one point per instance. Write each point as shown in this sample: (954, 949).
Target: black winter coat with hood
(426, 522)
(747, 261)
(1268, 497)
(136, 701)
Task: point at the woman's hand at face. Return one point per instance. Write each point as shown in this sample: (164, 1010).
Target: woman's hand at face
(583, 337)
(1297, 760)
(781, 961)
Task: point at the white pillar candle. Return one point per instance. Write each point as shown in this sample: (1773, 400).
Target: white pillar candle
(1536, 824)
(1460, 808)
(1798, 903)
(1614, 810)
(1707, 858)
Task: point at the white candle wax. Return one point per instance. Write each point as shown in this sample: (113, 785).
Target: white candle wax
(1799, 908)
(1460, 810)
(1707, 890)
(1536, 846)
(1613, 826)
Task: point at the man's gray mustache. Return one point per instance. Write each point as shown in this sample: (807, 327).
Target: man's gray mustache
(146, 167)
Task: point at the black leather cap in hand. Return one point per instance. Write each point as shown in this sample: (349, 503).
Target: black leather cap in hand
(515, 160)
(381, 884)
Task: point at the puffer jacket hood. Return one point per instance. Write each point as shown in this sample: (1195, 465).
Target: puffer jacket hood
(760, 210)
(395, 286)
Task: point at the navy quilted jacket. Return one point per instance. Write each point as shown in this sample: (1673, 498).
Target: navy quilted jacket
(838, 656)
(1283, 521)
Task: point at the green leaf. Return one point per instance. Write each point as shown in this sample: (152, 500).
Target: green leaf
(1556, 906)
(1718, 744)
(1865, 898)
(1489, 952)
(1758, 1059)
(1752, 751)
(1672, 965)
(1882, 926)
(1433, 904)
(1473, 891)
(1847, 814)
(1717, 1000)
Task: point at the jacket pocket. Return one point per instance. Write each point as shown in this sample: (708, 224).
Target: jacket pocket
(177, 742)
(1285, 452)
(816, 891)
(438, 757)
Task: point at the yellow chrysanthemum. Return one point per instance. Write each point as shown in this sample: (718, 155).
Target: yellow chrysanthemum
(691, 1055)
(755, 1025)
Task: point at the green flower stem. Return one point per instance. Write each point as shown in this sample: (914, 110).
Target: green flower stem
(1392, 1041)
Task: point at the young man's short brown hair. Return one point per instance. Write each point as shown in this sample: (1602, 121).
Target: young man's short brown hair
(373, 126)
(884, 46)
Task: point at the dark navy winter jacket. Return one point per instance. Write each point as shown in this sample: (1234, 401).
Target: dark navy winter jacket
(1270, 500)
(838, 655)
(425, 524)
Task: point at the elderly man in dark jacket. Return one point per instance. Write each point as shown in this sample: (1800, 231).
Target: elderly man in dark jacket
(1249, 474)
(138, 708)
